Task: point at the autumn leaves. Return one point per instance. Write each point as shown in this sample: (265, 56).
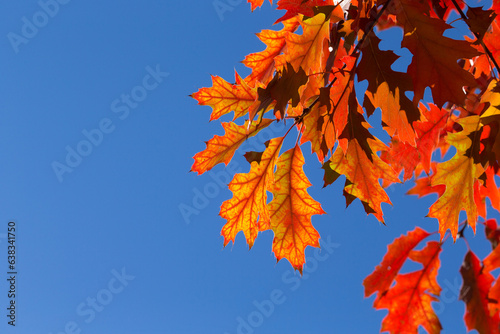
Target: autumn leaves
(307, 79)
(409, 299)
(409, 296)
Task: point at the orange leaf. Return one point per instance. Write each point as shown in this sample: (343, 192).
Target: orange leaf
(428, 132)
(409, 301)
(492, 261)
(381, 279)
(224, 97)
(291, 210)
(307, 50)
(403, 155)
(257, 3)
(248, 207)
(316, 130)
(459, 175)
(363, 174)
(262, 63)
(327, 120)
(488, 190)
(482, 64)
(423, 185)
(344, 101)
(474, 293)
(221, 148)
(494, 299)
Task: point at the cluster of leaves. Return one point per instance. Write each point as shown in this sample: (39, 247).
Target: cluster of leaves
(309, 78)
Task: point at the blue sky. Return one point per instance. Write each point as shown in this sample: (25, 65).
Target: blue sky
(102, 246)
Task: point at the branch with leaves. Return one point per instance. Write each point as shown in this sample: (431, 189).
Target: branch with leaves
(311, 79)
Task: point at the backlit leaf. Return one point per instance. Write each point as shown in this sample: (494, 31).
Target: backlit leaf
(224, 97)
(262, 63)
(307, 50)
(363, 176)
(384, 274)
(458, 175)
(247, 210)
(221, 148)
(474, 293)
(435, 56)
(291, 210)
(409, 299)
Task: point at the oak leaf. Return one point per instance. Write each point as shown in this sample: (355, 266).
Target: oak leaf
(291, 210)
(479, 21)
(281, 89)
(482, 64)
(224, 97)
(221, 148)
(405, 156)
(474, 292)
(409, 300)
(307, 50)
(423, 185)
(386, 90)
(257, 3)
(262, 63)
(458, 175)
(362, 175)
(247, 210)
(384, 274)
(435, 56)
(327, 120)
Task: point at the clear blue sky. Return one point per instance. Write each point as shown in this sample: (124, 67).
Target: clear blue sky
(102, 246)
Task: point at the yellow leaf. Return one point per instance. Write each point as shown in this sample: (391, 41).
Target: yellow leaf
(363, 175)
(262, 63)
(248, 207)
(307, 50)
(291, 210)
(224, 97)
(221, 148)
(458, 175)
